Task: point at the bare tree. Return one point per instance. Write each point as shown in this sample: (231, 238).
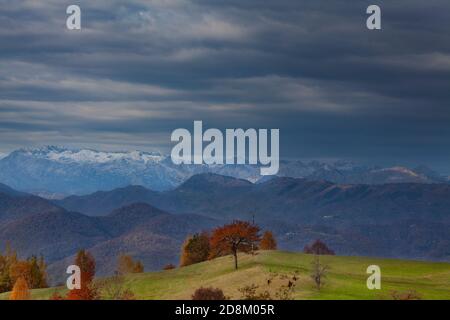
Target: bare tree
(116, 288)
(319, 272)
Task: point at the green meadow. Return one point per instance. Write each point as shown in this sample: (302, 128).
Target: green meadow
(346, 278)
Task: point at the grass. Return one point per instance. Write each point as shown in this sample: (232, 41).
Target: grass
(346, 278)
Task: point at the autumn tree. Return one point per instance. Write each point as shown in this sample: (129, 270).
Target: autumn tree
(20, 290)
(86, 262)
(319, 248)
(6, 261)
(32, 270)
(38, 273)
(268, 241)
(195, 249)
(126, 264)
(239, 236)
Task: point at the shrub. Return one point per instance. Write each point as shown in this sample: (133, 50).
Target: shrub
(169, 267)
(319, 248)
(406, 295)
(208, 294)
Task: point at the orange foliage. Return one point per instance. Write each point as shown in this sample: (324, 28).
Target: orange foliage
(88, 291)
(20, 269)
(20, 290)
(33, 270)
(268, 241)
(126, 265)
(239, 236)
(56, 296)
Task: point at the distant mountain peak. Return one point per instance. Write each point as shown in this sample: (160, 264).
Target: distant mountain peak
(67, 155)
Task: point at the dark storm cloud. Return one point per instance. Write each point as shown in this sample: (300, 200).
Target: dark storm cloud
(139, 69)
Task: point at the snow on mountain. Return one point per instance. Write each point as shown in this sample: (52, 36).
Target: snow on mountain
(57, 171)
(92, 156)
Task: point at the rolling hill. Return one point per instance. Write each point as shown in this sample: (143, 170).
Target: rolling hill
(147, 233)
(392, 220)
(296, 200)
(408, 221)
(346, 278)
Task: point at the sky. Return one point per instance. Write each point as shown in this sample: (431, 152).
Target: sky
(139, 69)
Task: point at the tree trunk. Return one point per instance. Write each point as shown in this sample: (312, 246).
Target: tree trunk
(235, 260)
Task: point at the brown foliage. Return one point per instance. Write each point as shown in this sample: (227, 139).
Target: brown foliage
(20, 269)
(56, 296)
(126, 265)
(20, 290)
(116, 288)
(88, 290)
(318, 247)
(406, 295)
(268, 241)
(208, 294)
(282, 287)
(86, 262)
(239, 236)
(169, 267)
(33, 270)
(195, 249)
(250, 293)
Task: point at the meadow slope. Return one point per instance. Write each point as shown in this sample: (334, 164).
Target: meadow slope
(346, 278)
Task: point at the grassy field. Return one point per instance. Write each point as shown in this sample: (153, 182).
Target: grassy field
(346, 278)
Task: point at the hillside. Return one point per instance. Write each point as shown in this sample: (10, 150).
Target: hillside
(353, 219)
(346, 279)
(149, 234)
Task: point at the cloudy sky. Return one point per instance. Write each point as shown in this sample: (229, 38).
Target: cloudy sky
(141, 68)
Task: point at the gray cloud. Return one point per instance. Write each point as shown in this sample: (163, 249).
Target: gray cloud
(140, 69)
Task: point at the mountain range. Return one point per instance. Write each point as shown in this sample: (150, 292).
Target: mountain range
(55, 172)
(404, 220)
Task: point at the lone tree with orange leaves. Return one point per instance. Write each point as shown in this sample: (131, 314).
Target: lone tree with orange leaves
(20, 290)
(239, 236)
(86, 262)
(268, 241)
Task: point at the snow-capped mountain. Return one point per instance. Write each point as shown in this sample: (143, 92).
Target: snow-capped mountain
(54, 171)
(62, 155)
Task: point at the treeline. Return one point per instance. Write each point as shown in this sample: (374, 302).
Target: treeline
(112, 288)
(27, 274)
(19, 276)
(238, 236)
